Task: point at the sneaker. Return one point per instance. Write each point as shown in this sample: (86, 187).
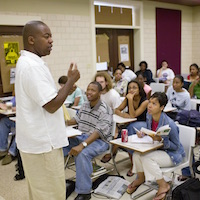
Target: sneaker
(7, 159)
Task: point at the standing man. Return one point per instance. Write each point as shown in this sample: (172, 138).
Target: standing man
(40, 126)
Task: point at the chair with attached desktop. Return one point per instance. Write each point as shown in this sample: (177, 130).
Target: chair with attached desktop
(187, 137)
(158, 87)
(102, 170)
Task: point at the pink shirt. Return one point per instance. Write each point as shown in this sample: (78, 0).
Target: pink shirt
(147, 88)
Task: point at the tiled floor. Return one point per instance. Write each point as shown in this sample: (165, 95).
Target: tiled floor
(17, 190)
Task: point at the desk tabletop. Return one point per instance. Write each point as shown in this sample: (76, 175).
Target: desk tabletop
(12, 119)
(7, 113)
(6, 98)
(140, 147)
(122, 120)
(76, 107)
(71, 131)
(197, 101)
(169, 109)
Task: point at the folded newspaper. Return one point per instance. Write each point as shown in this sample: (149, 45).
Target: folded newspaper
(163, 130)
(113, 187)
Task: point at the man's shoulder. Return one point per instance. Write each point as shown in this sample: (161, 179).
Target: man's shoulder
(113, 93)
(105, 108)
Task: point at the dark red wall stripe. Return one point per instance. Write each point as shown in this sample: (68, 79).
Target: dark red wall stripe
(168, 38)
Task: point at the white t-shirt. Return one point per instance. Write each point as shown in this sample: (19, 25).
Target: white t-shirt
(111, 98)
(180, 100)
(38, 131)
(167, 73)
(129, 75)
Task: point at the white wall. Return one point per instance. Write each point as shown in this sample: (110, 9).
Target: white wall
(196, 36)
(69, 21)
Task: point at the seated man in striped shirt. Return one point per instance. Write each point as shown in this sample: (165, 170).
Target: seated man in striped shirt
(94, 120)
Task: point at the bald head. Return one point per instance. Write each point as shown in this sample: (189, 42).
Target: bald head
(37, 38)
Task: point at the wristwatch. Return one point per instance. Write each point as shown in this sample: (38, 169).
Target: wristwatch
(84, 144)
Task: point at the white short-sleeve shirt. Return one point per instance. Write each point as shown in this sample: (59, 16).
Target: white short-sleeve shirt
(111, 98)
(37, 131)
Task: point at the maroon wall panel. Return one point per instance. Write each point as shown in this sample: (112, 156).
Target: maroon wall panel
(168, 38)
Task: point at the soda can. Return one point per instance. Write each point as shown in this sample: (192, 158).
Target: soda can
(124, 135)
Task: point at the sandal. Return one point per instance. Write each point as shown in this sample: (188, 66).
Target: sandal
(162, 195)
(107, 157)
(129, 173)
(131, 189)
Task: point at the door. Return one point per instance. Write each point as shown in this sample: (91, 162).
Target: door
(115, 36)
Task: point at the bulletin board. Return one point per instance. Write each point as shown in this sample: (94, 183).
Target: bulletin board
(102, 48)
(10, 46)
(124, 50)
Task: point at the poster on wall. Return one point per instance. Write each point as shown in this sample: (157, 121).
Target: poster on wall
(11, 52)
(124, 49)
(124, 52)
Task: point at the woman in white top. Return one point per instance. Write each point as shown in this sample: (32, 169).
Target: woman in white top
(178, 96)
(165, 74)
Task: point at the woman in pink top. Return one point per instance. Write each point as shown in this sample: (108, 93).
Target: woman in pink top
(146, 87)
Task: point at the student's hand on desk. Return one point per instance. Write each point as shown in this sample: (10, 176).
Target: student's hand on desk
(76, 150)
(140, 134)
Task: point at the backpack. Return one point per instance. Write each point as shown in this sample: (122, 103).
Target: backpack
(189, 190)
(188, 118)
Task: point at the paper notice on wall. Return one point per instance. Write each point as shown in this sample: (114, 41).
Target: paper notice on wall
(102, 66)
(12, 75)
(124, 49)
(124, 52)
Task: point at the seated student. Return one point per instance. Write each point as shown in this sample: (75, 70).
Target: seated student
(6, 125)
(165, 74)
(194, 72)
(147, 166)
(127, 74)
(194, 88)
(75, 96)
(137, 107)
(94, 120)
(178, 96)
(147, 88)
(147, 72)
(108, 94)
(119, 84)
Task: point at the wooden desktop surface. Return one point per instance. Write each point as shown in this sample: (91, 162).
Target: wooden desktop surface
(142, 148)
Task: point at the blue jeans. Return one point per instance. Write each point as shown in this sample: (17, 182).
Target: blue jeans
(83, 162)
(6, 126)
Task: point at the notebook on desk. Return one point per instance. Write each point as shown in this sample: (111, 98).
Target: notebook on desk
(135, 139)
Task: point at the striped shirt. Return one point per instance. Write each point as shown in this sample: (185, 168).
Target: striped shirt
(99, 118)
